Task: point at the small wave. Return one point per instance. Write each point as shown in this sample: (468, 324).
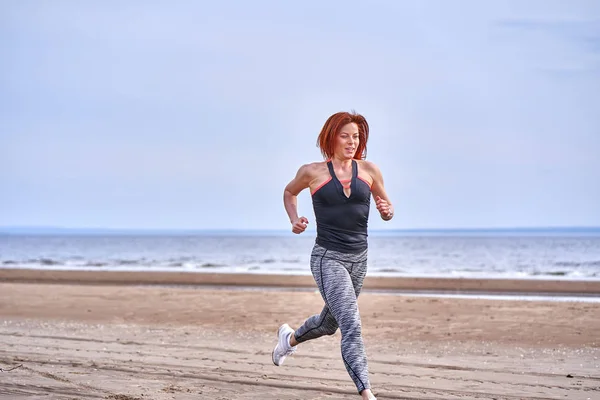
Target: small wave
(175, 264)
(128, 262)
(39, 261)
(594, 263)
(182, 259)
(48, 261)
(288, 261)
(470, 270)
(550, 273)
(212, 265)
(557, 273)
(270, 261)
(566, 264)
(393, 270)
(96, 264)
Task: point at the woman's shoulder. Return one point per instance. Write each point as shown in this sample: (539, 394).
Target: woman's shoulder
(370, 168)
(315, 166)
(312, 169)
(369, 165)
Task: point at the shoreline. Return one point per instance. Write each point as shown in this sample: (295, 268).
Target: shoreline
(443, 285)
(233, 270)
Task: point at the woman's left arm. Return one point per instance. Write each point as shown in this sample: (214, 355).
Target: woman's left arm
(382, 201)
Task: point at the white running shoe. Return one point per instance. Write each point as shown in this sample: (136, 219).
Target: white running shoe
(283, 348)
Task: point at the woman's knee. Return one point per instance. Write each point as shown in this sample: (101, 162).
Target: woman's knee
(330, 330)
(330, 326)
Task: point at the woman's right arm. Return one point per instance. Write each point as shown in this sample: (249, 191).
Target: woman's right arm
(290, 198)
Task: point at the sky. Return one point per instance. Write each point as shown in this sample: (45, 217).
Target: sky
(196, 114)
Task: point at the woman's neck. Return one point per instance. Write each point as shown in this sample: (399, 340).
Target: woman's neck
(342, 163)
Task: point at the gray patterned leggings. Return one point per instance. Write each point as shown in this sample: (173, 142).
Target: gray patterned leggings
(339, 277)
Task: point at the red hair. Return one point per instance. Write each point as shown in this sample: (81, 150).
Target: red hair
(333, 126)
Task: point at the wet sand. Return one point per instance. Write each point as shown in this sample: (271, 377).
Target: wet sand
(91, 341)
(427, 284)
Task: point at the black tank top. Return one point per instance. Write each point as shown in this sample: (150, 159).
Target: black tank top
(342, 220)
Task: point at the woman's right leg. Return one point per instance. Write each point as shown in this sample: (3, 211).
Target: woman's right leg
(314, 327)
(319, 324)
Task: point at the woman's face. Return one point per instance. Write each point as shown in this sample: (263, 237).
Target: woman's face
(347, 141)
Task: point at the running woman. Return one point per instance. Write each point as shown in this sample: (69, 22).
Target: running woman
(341, 188)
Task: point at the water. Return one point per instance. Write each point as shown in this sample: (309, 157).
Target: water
(454, 255)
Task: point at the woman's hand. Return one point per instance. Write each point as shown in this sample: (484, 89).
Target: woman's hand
(299, 225)
(385, 209)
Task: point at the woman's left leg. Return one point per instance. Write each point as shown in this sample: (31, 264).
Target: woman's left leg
(341, 278)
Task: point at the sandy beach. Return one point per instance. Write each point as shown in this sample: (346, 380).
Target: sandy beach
(128, 341)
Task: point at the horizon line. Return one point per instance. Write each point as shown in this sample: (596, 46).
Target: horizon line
(26, 228)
